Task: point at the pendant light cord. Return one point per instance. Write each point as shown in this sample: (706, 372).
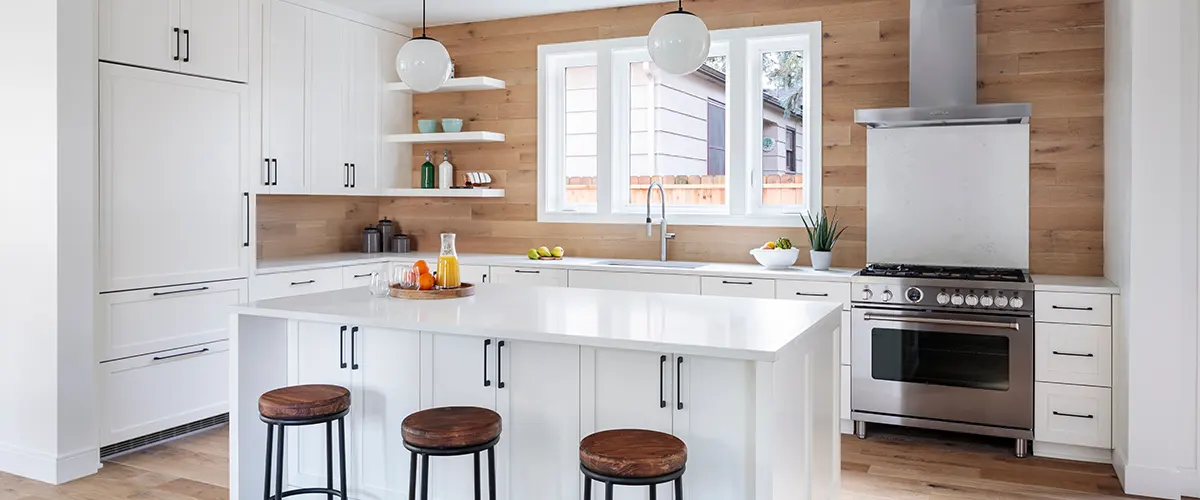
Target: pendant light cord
(423, 16)
(680, 5)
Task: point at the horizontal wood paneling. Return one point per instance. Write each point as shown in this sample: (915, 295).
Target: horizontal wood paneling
(290, 226)
(1047, 52)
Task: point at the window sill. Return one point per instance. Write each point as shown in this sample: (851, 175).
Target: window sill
(752, 220)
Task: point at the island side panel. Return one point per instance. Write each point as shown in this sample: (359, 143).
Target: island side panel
(258, 363)
(797, 428)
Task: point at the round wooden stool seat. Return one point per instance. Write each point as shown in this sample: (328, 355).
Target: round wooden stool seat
(632, 453)
(302, 402)
(451, 427)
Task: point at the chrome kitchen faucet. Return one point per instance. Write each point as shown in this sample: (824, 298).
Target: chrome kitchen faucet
(663, 234)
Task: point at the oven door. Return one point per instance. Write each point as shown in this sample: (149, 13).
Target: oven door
(953, 368)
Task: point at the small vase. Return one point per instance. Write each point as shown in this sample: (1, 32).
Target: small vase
(820, 260)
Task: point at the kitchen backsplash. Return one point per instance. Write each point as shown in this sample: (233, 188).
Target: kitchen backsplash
(290, 226)
(1050, 55)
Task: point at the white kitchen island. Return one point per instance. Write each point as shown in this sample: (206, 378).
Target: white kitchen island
(750, 385)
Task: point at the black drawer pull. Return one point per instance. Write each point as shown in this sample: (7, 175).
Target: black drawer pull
(309, 282)
(1072, 415)
(177, 44)
(522, 271)
(806, 294)
(727, 282)
(180, 355)
(342, 347)
(662, 364)
(499, 365)
(356, 276)
(486, 381)
(1070, 308)
(353, 348)
(679, 383)
(1056, 353)
(201, 289)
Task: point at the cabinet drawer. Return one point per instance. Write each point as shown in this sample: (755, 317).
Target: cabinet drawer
(814, 290)
(158, 319)
(845, 391)
(155, 392)
(1074, 354)
(359, 276)
(636, 282)
(1072, 414)
(1077, 308)
(474, 274)
(738, 287)
(272, 286)
(529, 276)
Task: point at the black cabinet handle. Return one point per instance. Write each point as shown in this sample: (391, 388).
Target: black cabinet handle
(1070, 308)
(309, 282)
(182, 354)
(1056, 353)
(275, 166)
(486, 343)
(342, 347)
(345, 175)
(803, 294)
(662, 365)
(267, 181)
(1072, 415)
(499, 365)
(247, 195)
(356, 276)
(522, 271)
(679, 383)
(353, 348)
(189, 290)
(177, 44)
(353, 175)
(727, 282)
(187, 36)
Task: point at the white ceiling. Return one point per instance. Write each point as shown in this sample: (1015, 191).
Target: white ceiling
(408, 12)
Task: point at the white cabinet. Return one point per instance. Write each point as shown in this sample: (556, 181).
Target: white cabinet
(158, 319)
(531, 276)
(360, 276)
(636, 282)
(1073, 354)
(821, 291)
(200, 37)
(271, 286)
(738, 287)
(285, 87)
(319, 354)
(1073, 415)
(454, 374)
(474, 274)
(1075, 308)
(172, 207)
(364, 90)
(328, 80)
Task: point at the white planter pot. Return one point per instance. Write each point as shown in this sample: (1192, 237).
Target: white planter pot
(820, 260)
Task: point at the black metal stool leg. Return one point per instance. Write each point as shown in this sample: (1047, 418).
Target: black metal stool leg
(608, 491)
(654, 492)
(341, 455)
(679, 488)
(478, 491)
(424, 477)
(492, 473)
(587, 488)
(412, 476)
(329, 458)
(270, 446)
(279, 465)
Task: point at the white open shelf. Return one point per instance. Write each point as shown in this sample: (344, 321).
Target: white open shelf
(467, 84)
(445, 193)
(442, 137)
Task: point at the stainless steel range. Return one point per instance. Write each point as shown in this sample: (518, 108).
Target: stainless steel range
(947, 348)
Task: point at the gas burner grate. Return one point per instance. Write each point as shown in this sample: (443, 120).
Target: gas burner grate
(945, 272)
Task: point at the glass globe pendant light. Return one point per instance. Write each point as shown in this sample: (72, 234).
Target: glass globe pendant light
(423, 63)
(679, 42)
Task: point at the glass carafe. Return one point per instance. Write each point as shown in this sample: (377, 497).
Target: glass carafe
(447, 267)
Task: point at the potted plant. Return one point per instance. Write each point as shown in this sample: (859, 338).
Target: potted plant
(822, 234)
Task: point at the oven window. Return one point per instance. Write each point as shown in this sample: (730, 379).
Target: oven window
(940, 358)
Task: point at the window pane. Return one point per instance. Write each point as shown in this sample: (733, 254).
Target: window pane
(783, 128)
(677, 134)
(579, 166)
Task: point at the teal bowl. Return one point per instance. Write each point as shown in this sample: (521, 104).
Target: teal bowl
(427, 126)
(452, 124)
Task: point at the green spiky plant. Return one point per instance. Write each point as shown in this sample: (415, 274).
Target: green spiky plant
(822, 232)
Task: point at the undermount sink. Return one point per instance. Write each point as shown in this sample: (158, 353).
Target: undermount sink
(646, 263)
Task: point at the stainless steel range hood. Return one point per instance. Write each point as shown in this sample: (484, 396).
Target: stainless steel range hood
(942, 73)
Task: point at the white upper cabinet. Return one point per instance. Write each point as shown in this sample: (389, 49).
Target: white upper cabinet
(364, 91)
(284, 120)
(327, 103)
(171, 200)
(199, 37)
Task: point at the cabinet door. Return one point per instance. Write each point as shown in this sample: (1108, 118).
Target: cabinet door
(215, 44)
(171, 150)
(388, 389)
(318, 351)
(140, 32)
(396, 164)
(474, 274)
(327, 102)
(712, 417)
(531, 276)
(454, 375)
(363, 137)
(285, 56)
(538, 398)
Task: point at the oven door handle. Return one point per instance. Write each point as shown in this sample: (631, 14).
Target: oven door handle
(940, 321)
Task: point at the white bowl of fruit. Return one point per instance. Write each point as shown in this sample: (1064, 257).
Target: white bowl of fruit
(775, 255)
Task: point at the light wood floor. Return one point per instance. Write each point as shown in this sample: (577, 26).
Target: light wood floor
(891, 465)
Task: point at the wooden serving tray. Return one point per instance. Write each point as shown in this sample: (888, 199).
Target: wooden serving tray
(465, 290)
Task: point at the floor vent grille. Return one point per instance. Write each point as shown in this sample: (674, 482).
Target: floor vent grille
(138, 443)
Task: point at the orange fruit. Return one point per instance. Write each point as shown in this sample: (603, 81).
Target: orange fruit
(427, 281)
(421, 267)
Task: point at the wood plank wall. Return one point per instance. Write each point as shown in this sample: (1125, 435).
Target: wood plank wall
(290, 226)
(1048, 52)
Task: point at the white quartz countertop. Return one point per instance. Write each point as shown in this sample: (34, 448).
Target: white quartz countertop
(1074, 284)
(271, 266)
(724, 327)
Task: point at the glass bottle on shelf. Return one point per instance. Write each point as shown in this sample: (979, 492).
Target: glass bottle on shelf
(447, 267)
(427, 171)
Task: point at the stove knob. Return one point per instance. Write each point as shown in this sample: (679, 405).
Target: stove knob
(1016, 302)
(986, 301)
(972, 300)
(956, 299)
(866, 294)
(943, 298)
(886, 295)
(1001, 301)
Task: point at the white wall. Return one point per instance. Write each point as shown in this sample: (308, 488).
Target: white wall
(46, 260)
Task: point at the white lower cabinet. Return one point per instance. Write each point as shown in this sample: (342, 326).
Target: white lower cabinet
(453, 374)
(158, 319)
(1073, 415)
(1074, 354)
(319, 355)
(636, 282)
(271, 286)
(360, 276)
(738, 287)
(844, 408)
(531, 276)
(474, 274)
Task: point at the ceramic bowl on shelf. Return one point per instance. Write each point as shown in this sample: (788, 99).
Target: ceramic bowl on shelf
(776, 259)
(427, 126)
(452, 124)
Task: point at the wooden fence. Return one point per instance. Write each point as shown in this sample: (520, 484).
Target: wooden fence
(691, 189)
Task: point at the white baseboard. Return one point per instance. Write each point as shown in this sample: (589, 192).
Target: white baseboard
(47, 468)
(1189, 482)
(82, 463)
(1070, 452)
(1154, 482)
(847, 426)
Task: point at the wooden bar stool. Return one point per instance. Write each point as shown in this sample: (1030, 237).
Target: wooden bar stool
(305, 405)
(449, 432)
(632, 457)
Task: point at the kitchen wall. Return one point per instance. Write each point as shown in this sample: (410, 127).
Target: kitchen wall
(289, 226)
(1048, 52)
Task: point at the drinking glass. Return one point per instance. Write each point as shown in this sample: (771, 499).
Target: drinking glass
(379, 285)
(405, 277)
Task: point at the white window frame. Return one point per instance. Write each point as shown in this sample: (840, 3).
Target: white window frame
(744, 48)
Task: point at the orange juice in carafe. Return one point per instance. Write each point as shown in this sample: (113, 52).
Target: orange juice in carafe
(447, 266)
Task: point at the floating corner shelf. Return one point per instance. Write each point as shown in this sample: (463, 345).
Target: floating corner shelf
(445, 137)
(445, 193)
(467, 84)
